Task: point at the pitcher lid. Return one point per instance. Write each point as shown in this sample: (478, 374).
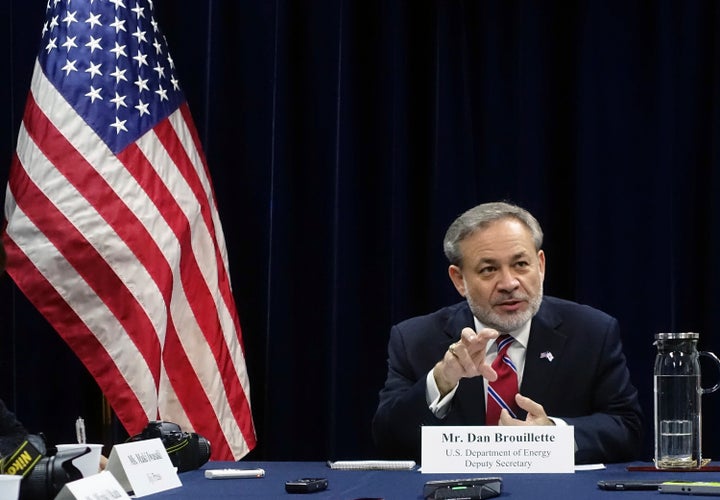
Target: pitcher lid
(677, 335)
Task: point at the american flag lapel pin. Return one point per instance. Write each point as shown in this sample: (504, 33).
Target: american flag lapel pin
(547, 355)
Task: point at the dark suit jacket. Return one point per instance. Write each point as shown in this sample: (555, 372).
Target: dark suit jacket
(12, 432)
(587, 383)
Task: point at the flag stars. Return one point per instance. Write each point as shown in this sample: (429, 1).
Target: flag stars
(102, 49)
(142, 107)
(119, 50)
(70, 18)
(140, 35)
(93, 20)
(118, 25)
(69, 43)
(159, 70)
(94, 94)
(119, 100)
(52, 44)
(142, 84)
(69, 66)
(94, 43)
(162, 93)
(119, 125)
(119, 74)
(141, 59)
(139, 11)
(94, 69)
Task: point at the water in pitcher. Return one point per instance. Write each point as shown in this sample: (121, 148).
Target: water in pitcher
(677, 443)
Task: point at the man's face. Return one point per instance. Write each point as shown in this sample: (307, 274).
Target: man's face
(501, 275)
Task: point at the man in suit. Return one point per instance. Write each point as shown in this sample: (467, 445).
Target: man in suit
(567, 358)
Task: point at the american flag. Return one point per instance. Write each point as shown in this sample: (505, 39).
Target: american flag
(112, 229)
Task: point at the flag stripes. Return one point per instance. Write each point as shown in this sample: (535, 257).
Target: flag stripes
(124, 255)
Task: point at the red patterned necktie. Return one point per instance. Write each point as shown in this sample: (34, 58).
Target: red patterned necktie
(501, 393)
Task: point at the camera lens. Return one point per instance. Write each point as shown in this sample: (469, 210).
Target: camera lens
(50, 474)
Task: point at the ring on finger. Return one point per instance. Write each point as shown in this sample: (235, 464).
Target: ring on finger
(452, 350)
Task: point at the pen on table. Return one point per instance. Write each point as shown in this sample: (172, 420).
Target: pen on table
(80, 430)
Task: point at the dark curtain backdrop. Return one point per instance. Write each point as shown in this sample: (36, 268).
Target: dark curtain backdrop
(343, 136)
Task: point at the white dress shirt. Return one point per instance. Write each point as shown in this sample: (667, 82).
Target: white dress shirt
(516, 351)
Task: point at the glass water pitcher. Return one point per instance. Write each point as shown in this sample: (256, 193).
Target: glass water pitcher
(678, 400)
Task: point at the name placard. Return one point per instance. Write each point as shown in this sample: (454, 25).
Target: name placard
(498, 449)
(102, 485)
(143, 467)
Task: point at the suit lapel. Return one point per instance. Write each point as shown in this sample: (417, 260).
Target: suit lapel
(546, 343)
(457, 321)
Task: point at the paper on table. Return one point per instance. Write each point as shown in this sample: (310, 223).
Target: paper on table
(372, 464)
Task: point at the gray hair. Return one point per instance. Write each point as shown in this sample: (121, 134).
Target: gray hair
(480, 217)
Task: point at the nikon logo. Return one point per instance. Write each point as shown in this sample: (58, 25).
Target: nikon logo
(21, 461)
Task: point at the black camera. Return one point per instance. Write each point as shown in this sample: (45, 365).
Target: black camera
(46, 469)
(187, 450)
